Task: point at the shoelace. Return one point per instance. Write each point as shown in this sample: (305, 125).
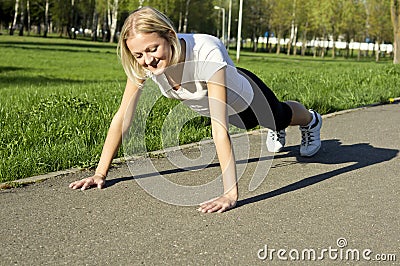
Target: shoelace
(276, 135)
(306, 136)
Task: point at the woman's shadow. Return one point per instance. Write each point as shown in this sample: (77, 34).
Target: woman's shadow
(333, 152)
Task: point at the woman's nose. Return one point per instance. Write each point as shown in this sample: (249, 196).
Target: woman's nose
(148, 59)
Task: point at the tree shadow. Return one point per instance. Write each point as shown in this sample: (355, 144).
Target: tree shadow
(333, 152)
(112, 182)
(362, 154)
(5, 69)
(59, 46)
(38, 80)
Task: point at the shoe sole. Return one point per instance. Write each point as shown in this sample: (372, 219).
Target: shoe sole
(275, 151)
(312, 154)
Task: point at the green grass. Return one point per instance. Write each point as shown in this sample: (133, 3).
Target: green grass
(58, 96)
(324, 84)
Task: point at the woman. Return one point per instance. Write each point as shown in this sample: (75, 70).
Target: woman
(196, 69)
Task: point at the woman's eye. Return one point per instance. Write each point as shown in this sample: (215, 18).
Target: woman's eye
(137, 56)
(152, 50)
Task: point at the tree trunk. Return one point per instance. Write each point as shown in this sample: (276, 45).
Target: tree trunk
(255, 42)
(323, 47)
(289, 47)
(278, 41)
(315, 47)
(293, 28)
(22, 21)
(46, 19)
(267, 45)
(303, 47)
(94, 25)
(396, 52)
(185, 22)
(290, 43)
(14, 24)
(304, 40)
(71, 26)
(114, 20)
(99, 29)
(378, 51)
(105, 29)
(294, 43)
(28, 13)
(278, 44)
(180, 22)
(347, 54)
(395, 11)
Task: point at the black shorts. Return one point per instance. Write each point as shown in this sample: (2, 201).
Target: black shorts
(265, 109)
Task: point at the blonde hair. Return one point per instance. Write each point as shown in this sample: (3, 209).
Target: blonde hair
(145, 20)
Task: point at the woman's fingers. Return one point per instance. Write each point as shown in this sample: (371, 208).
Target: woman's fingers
(100, 184)
(217, 205)
(76, 184)
(88, 182)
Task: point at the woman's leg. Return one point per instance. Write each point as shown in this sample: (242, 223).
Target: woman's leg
(283, 115)
(300, 115)
(266, 110)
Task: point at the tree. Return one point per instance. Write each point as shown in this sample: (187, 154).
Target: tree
(353, 22)
(379, 24)
(255, 23)
(197, 21)
(319, 24)
(335, 15)
(6, 10)
(185, 20)
(14, 24)
(22, 20)
(46, 18)
(395, 12)
(293, 28)
(114, 19)
(303, 17)
(60, 17)
(281, 19)
(102, 19)
(28, 13)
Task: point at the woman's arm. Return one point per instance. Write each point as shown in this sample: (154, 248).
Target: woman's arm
(219, 123)
(119, 125)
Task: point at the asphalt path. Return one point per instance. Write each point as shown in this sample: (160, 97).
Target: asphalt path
(341, 206)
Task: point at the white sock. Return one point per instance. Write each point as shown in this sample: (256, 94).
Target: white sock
(312, 120)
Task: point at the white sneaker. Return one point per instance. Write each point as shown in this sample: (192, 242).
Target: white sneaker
(276, 140)
(310, 137)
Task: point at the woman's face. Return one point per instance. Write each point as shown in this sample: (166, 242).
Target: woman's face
(151, 51)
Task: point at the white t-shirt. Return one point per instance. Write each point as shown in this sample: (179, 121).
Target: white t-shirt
(205, 55)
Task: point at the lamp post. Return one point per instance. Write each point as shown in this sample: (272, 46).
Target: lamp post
(229, 24)
(239, 35)
(223, 22)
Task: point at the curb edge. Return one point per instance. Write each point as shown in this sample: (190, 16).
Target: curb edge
(41, 178)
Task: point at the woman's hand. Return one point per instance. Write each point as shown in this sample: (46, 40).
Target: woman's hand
(219, 204)
(97, 180)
